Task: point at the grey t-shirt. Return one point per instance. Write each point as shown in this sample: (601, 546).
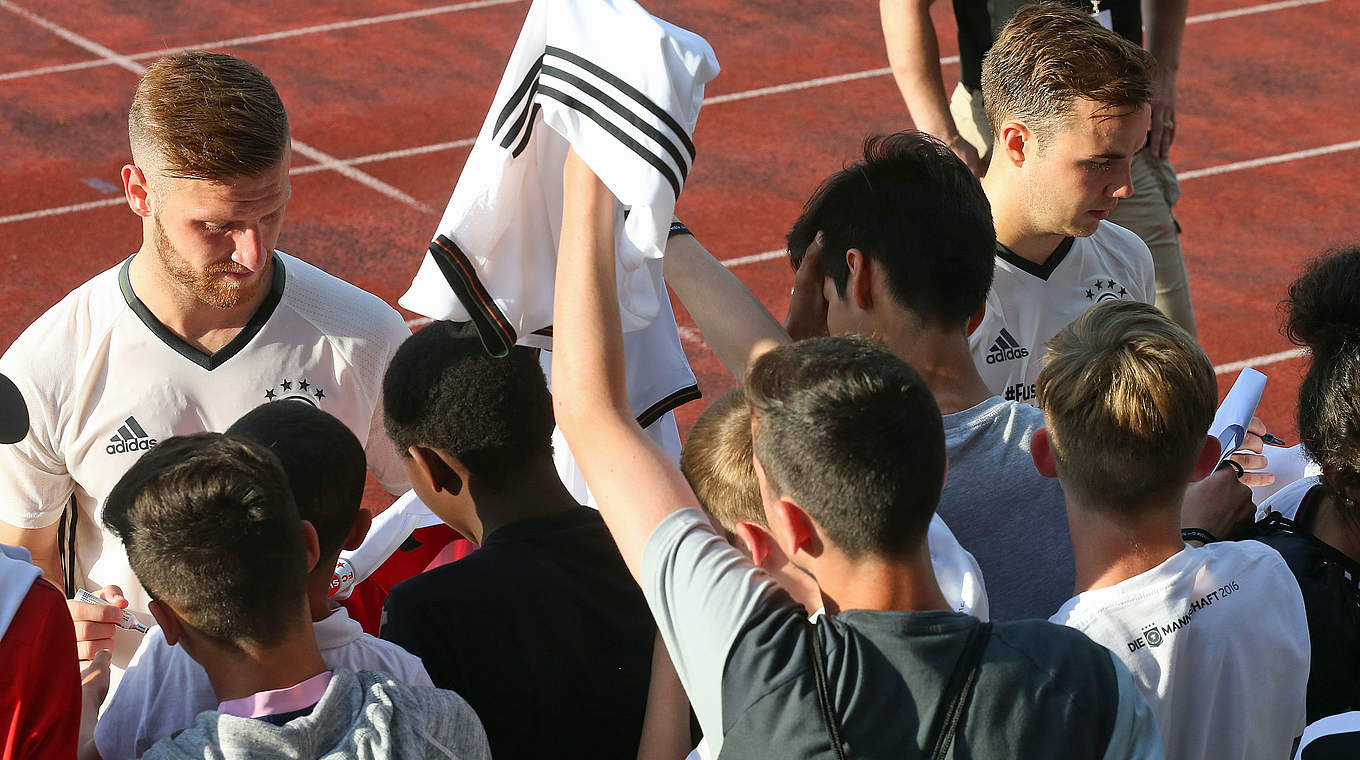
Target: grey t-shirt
(742, 648)
(1001, 509)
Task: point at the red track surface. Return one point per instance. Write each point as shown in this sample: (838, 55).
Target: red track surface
(1263, 84)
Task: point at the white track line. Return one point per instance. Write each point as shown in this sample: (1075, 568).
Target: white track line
(269, 37)
(324, 159)
(1209, 171)
(1249, 10)
(1259, 361)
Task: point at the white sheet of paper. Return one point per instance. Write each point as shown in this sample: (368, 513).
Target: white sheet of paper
(1235, 413)
(1287, 464)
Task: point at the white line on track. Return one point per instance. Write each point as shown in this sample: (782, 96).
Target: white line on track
(1259, 361)
(1209, 171)
(320, 157)
(1249, 10)
(269, 37)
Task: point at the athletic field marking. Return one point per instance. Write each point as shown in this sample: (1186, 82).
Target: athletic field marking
(320, 157)
(438, 10)
(1259, 361)
(269, 37)
(1209, 171)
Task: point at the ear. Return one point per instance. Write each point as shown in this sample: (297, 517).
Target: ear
(136, 190)
(757, 540)
(859, 283)
(434, 470)
(1016, 143)
(1041, 449)
(977, 318)
(357, 532)
(1207, 460)
(171, 626)
(313, 546)
(799, 527)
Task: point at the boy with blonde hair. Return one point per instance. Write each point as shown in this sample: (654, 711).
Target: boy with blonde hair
(1128, 398)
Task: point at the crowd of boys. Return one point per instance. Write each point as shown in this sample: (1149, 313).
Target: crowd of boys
(964, 502)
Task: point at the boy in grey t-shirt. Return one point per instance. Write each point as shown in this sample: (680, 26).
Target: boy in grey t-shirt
(849, 453)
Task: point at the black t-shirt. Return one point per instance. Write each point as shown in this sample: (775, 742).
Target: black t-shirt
(543, 632)
(981, 21)
(1330, 582)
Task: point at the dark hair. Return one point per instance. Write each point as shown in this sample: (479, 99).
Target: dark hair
(1323, 314)
(443, 391)
(1128, 397)
(210, 528)
(323, 460)
(203, 115)
(917, 212)
(1051, 55)
(852, 434)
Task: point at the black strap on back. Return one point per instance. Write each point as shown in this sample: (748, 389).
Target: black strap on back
(833, 733)
(954, 702)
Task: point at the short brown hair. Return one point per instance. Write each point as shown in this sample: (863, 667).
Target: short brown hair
(716, 461)
(1048, 56)
(1128, 397)
(203, 115)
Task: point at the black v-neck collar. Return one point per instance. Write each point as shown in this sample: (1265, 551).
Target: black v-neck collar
(168, 337)
(1042, 271)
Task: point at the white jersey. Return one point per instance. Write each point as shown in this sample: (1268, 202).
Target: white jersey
(105, 381)
(1217, 640)
(1030, 303)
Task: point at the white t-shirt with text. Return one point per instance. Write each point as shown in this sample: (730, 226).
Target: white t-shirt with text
(1217, 640)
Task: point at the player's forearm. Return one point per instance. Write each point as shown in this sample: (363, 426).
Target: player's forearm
(733, 321)
(588, 365)
(41, 544)
(665, 726)
(914, 54)
(1164, 29)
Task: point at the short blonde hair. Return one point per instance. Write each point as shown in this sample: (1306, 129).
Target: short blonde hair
(716, 460)
(1049, 56)
(1128, 397)
(200, 115)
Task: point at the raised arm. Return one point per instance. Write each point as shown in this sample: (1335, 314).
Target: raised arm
(733, 321)
(634, 481)
(914, 54)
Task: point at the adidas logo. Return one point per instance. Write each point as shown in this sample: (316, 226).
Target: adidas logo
(1005, 348)
(130, 437)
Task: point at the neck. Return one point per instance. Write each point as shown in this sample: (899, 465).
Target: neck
(942, 358)
(1010, 215)
(240, 673)
(319, 604)
(1337, 526)
(1108, 551)
(536, 491)
(202, 326)
(875, 583)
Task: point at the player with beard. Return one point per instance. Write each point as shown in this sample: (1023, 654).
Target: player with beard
(203, 323)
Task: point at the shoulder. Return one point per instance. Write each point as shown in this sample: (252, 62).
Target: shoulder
(1286, 501)
(337, 308)
(368, 652)
(1038, 650)
(440, 711)
(1120, 241)
(75, 322)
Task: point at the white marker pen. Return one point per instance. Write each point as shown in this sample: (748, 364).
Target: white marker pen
(128, 621)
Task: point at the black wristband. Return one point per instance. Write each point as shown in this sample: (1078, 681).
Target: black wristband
(1197, 534)
(678, 228)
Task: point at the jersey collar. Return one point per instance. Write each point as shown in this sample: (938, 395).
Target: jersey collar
(182, 347)
(1042, 271)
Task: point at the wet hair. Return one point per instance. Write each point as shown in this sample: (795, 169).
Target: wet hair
(443, 391)
(852, 434)
(1128, 397)
(1049, 56)
(210, 528)
(198, 115)
(914, 209)
(1322, 313)
(323, 460)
